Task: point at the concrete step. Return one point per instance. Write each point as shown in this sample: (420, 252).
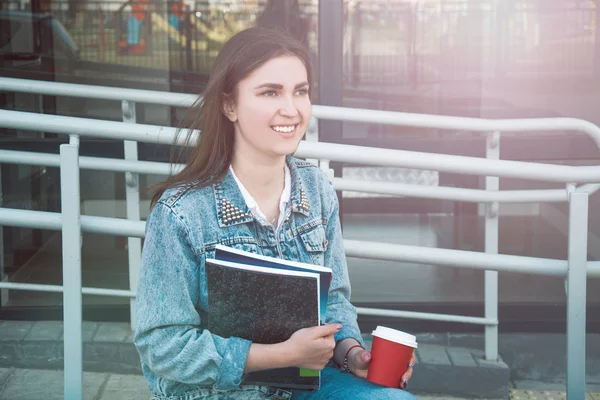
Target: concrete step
(108, 348)
(449, 364)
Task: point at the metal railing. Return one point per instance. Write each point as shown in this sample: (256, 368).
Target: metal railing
(575, 268)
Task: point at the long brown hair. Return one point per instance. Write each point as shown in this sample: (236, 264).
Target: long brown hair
(210, 158)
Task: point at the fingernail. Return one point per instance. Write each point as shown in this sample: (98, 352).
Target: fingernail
(339, 326)
(367, 357)
(405, 379)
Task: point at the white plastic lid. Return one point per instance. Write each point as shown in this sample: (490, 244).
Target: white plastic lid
(395, 336)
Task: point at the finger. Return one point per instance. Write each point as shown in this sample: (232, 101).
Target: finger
(407, 375)
(362, 359)
(327, 330)
(361, 373)
(413, 361)
(359, 365)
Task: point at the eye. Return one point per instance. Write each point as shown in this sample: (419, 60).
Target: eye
(269, 93)
(302, 92)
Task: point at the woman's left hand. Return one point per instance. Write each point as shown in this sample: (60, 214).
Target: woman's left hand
(359, 366)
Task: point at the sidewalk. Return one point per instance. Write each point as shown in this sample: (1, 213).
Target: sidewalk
(32, 384)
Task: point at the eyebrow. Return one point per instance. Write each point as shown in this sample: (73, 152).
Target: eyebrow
(279, 86)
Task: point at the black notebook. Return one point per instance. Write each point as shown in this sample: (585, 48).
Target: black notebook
(265, 300)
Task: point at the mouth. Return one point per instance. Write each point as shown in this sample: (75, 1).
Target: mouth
(285, 130)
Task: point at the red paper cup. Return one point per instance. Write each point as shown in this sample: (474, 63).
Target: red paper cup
(390, 356)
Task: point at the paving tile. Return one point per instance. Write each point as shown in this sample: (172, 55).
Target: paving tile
(9, 352)
(130, 387)
(521, 394)
(537, 385)
(447, 397)
(14, 330)
(594, 396)
(129, 338)
(489, 364)
(45, 330)
(5, 373)
(112, 332)
(432, 354)
(557, 385)
(27, 384)
(43, 350)
(461, 357)
(593, 387)
(545, 391)
(88, 330)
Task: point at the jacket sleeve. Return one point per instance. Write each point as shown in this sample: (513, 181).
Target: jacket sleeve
(339, 308)
(168, 336)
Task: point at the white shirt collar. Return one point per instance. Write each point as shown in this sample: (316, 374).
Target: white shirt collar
(253, 206)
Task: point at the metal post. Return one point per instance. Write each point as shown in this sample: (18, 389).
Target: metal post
(491, 247)
(100, 33)
(331, 69)
(188, 44)
(576, 294)
(596, 62)
(3, 292)
(71, 250)
(331, 73)
(132, 198)
(312, 135)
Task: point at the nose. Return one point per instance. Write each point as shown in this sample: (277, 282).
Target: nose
(288, 107)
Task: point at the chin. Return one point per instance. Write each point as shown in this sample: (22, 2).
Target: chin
(285, 150)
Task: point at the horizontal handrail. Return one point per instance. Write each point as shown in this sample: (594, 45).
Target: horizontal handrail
(91, 163)
(425, 316)
(89, 127)
(447, 163)
(361, 310)
(386, 188)
(97, 92)
(353, 248)
(59, 289)
(325, 151)
(460, 258)
(53, 221)
(450, 193)
(458, 123)
(320, 112)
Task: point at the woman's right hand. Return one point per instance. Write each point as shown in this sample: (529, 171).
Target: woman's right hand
(312, 348)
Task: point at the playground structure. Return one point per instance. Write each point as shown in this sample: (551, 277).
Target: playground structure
(182, 26)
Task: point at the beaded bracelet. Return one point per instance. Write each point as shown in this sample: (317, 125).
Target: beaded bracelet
(344, 368)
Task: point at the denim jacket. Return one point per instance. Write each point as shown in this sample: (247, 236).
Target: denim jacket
(180, 358)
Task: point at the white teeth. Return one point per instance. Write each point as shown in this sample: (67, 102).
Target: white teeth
(284, 129)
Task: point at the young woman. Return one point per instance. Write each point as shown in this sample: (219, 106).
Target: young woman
(242, 188)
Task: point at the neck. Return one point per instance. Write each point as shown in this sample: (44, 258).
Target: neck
(260, 178)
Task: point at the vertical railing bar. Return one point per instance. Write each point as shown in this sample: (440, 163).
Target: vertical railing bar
(3, 278)
(491, 247)
(132, 199)
(576, 294)
(71, 251)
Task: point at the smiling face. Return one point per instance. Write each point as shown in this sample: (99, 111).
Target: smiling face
(271, 110)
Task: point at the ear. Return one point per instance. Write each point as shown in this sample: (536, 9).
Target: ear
(229, 109)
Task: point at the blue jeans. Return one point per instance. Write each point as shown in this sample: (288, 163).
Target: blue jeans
(343, 386)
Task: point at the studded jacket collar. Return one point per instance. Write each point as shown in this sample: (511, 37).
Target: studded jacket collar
(232, 208)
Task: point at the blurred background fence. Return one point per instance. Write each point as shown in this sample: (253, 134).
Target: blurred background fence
(385, 42)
